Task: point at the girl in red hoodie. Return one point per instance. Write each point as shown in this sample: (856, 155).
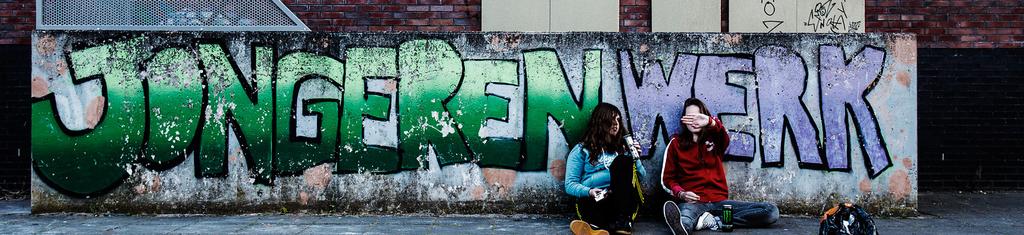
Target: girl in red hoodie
(693, 174)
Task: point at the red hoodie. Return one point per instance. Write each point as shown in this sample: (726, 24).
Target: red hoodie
(698, 168)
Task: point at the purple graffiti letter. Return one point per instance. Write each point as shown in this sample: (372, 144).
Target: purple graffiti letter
(648, 101)
(654, 97)
(844, 88)
(778, 71)
(712, 86)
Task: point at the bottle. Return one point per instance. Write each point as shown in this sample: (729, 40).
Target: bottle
(727, 218)
(629, 146)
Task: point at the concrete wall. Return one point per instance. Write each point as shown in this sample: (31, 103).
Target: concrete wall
(525, 15)
(453, 122)
(550, 15)
(584, 16)
(686, 16)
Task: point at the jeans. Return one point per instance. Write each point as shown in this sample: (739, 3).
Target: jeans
(744, 214)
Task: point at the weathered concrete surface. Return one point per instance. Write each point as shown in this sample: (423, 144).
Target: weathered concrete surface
(943, 213)
(454, 123)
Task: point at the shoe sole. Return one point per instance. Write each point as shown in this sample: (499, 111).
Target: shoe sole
(700, 222)
(579, 227)
(671, 213)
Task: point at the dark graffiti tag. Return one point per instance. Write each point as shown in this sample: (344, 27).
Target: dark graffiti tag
(831, 15)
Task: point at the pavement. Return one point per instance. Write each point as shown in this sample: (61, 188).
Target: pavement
(941, 213)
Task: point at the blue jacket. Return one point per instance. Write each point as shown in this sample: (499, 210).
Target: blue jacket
(581, 176)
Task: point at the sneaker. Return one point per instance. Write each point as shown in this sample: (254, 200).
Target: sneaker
(623, 227)
(579, 227)
(671, 213)
(707, 221)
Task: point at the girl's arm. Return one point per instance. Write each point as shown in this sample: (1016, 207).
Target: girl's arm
(640, 168)
(718, 135)
(574, 171)
(669, 172)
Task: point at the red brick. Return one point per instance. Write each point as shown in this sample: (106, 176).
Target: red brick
(368, 8)
(467, 8)
(332, 15)
(404, 28)
(356, 28)
(1010, 17)
(442, 22)
(380, 28)
(24, 27)
(888, 17)
(342, 21)
(441, 8)
(455, 15)
(635, 9)
(392, 8)
(417, 8)
(911, 17)
(453, 28)
(307, 15)
(429, 28)
(999, 38)
(629, 23)
(379, 15)
(342, 8)
(417, 22)
(971, 38)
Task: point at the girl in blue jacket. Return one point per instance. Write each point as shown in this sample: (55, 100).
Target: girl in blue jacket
(602, 177)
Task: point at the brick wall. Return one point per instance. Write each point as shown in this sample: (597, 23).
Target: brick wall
(951, 24)
(388, 15)
(14, 134)
(634, 15)
(970, 118)
(17, 20)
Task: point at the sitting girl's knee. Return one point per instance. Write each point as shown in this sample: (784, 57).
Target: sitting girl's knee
(773, 213)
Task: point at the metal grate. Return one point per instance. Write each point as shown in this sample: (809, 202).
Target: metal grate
(209, 15)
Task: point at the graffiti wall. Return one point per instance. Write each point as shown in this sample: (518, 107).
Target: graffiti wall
(453, 122)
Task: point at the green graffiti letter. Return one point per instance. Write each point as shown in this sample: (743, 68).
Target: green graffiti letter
(175, 103)
(431, 71)
(362, 150)
(244, 104)
(87, 162)
(473, 107)
(548, 94)
(317, 76)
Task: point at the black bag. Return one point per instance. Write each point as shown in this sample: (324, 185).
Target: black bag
(847, 219)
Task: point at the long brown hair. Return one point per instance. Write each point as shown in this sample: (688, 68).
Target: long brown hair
(597, 137)
(686, 135)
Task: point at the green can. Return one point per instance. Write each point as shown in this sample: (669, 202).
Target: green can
(727, 218)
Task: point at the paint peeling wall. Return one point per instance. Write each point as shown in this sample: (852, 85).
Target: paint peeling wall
(454, 122)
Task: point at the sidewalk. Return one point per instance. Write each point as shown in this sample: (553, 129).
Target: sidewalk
(942, 213)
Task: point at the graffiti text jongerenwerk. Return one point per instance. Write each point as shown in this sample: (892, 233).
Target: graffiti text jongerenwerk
(381, 109)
